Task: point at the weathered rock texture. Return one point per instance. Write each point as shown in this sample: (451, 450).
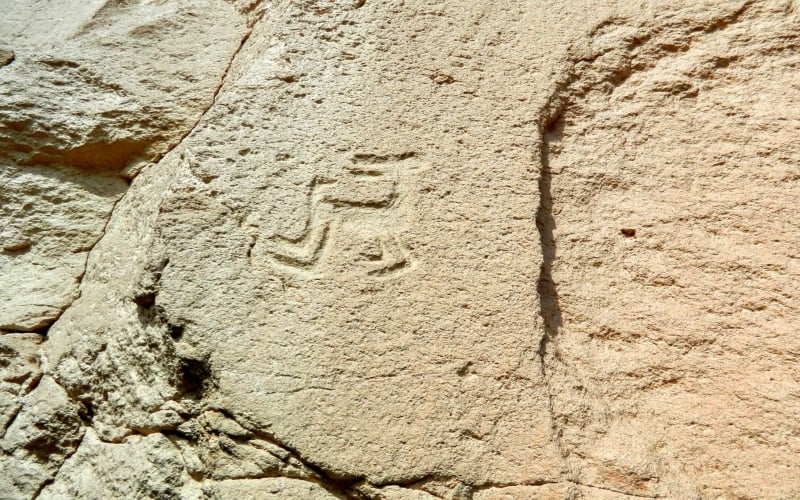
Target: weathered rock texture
(399, 250)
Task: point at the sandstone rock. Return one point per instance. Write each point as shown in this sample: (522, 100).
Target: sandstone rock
(395, 493)
(399, 250)
(19, 373)
(98, 97)
(6, 56)
(266, 489)
(677, 334)
(543, 492)
(142, 467)
(219, 448)
(44, 432)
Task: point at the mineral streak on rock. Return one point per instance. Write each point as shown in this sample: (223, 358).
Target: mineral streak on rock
(6, 57)
(338, 249)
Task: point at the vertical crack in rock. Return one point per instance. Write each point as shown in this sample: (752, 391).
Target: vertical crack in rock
(549, 307)
(584, 75)
(220, 448)
(51, 480)
(43, 331)
(158, 159)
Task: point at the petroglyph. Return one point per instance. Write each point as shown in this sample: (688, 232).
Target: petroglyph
(358, 208)
(395, 257)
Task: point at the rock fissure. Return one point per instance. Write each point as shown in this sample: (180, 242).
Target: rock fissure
(338, 486)
(214, 95)
(52, 479)
(168, 150)
(604, 488)
(89, 252)
(549, 307)
(101, 156)
(568, 90)
(623, 63)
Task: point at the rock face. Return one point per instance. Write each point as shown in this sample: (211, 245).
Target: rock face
(399, 250)
(670, 185)
(81, 108)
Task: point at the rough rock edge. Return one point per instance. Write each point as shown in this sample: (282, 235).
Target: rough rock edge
(6, 57)
(50, 481)
(44, 331)
(550, 116)
(18, 410)
(337, 487)
(251, 22)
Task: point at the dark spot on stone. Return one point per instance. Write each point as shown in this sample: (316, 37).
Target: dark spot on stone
(440, 78)
(175, 331)
(628, 232)
(6, 57)
(146, 300)
(194, 376)
(86, 411)
(464, 370)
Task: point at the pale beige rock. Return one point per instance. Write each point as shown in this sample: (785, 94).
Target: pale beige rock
(98, 95)
(679, 335)
(141, 467)
(219, 448)
(19, 373)
(41, 23)
(6, 56)
(401, 250)
(267, 489)
(42, 434)
(453, 389)
(539, 492)
(395, 493)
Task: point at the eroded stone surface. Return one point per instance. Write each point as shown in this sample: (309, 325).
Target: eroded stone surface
(141, 467)
(43, 433)
(673, 178)
(267, 489)
(398, 250)
(87, 100)
(316, 244)
(20, 371)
